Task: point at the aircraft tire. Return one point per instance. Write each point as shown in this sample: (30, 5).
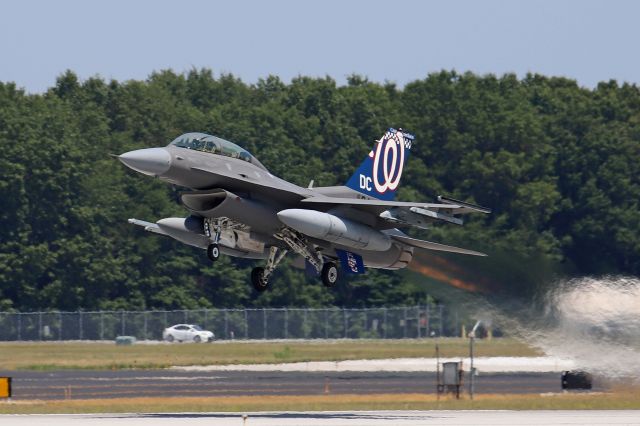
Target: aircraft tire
(213, 252)
(329, 274)
(257, 279)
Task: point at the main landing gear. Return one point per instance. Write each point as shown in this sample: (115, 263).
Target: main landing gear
(260, 276)
(329, 274)
(213, 249)
(292, 241)
(295, 242)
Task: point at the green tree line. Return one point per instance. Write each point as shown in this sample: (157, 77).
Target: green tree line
(559, 165)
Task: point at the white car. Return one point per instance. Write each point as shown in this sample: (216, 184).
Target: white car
(187, 333)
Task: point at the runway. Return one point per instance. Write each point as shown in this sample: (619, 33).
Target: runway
(345, 418)
(81, 384)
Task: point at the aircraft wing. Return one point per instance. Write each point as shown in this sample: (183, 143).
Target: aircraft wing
(428, 245)
(374, 203)
(280, 190)
(407, 213)
(449, 204)
(148, 226)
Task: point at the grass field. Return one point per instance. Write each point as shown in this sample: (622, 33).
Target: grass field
(240, 404)
(50, 355)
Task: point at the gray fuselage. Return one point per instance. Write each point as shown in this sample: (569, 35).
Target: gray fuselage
(244, 191)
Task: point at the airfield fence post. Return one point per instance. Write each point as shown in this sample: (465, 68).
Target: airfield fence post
(185, 316)
(165, 320)
(344, 316)
(427, 318)
(246, 325)
(101, 325)
(80, 333)
(384, 323)
(440, 319)
(40, 325)
(60, 326)
(418, 319)
(286, 323)
(404, 329)
(366, 320)
(304, 323)
(19, 326)
(206, 318)
(122, 322)
(226, 324)
(326, 323)
(264, 323)
(146, 319)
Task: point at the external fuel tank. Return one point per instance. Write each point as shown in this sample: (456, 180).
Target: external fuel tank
(328, 227)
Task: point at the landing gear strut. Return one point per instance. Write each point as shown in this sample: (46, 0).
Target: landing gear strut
(299, 245)
(213, 250)
(260, 276)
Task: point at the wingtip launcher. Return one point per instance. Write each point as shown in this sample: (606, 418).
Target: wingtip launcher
(464, 206)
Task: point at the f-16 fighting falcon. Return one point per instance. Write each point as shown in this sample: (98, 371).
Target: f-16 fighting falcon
(238, 208)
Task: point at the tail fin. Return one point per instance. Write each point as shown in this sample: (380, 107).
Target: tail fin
(379, 174)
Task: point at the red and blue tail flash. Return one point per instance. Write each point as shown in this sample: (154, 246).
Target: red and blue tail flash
(379, 174)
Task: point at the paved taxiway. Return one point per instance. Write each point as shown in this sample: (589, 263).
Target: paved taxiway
(345, 418)
(157, 383)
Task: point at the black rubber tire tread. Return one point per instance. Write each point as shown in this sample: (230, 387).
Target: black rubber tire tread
(213, 252)
(257, 281)
(329, 274)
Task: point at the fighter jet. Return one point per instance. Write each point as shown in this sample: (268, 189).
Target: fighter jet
(238, 208)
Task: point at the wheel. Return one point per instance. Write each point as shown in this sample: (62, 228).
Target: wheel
(213, 252)
(197, 339)
(170, 338)
(258, 280)
(329, 274)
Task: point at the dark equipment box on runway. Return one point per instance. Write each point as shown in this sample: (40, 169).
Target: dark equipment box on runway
(573, 380)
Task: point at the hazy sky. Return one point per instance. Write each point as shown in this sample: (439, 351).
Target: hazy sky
(399, 41)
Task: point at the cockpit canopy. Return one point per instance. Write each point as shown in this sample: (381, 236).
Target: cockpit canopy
(214, 145)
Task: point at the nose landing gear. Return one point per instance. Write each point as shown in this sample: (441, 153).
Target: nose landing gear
(213, 250)
(258, 279)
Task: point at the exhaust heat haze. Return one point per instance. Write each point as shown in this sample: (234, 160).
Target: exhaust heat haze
(593, 321)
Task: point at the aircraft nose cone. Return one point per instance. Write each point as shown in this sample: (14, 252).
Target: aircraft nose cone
(149, 161)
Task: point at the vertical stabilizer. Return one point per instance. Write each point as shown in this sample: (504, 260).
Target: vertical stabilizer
(379, 174)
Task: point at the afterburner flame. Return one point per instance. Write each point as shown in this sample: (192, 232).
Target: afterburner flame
(437, 274)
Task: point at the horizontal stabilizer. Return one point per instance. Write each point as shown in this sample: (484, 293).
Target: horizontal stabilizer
(428, 245)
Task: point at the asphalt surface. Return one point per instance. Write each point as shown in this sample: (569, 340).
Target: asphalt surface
(338, 418)
(81, 384)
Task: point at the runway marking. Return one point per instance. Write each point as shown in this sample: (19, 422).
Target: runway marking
(121, 379)
(339, 418)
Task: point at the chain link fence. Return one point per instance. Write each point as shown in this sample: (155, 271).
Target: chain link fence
(285, 323)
